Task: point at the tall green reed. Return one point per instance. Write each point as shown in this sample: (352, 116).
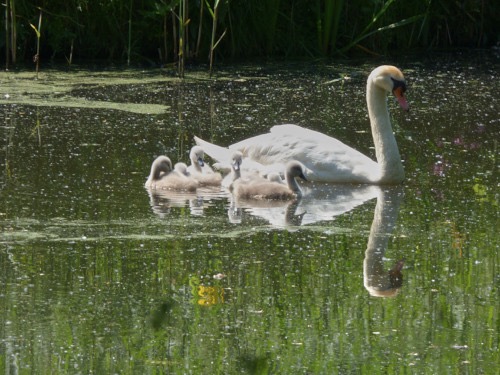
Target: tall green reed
(179, 31)
(129, 47)
(371, 30)
(328, 15)
(213, 44)
(36, 58)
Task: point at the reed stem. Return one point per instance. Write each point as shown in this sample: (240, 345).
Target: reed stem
(129, 32)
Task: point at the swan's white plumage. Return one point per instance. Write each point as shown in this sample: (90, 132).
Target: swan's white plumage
(326, 158)
(323, 156)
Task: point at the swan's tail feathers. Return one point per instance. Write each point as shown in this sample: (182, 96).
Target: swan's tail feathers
(220, 154)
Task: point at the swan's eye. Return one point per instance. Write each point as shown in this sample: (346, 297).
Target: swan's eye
(397, 84)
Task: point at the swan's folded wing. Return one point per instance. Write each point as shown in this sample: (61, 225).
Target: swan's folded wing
(328, 158)
(224, 155)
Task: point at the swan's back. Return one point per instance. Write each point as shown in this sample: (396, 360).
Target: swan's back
(327, 158)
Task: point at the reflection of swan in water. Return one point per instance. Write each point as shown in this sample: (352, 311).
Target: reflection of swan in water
(377, 280)
(320, 202)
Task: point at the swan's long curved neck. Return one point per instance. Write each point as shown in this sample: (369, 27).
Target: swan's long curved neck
(386, 148)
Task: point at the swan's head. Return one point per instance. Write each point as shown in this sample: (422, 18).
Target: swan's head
(390, 79)
(196, 155)
(236, 160)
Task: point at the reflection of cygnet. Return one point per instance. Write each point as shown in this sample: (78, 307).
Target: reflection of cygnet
(234, 213)
(201, 171)
(378, 281)
(196, 206)
(264, 189)
(163, 177)
(162, 200)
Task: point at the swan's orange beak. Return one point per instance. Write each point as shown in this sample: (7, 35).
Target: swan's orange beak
(399, 93)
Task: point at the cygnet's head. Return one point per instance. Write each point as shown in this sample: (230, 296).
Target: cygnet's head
(294, 169)
(196, 155)
(236, 160)
(181, 168)
(162, 164)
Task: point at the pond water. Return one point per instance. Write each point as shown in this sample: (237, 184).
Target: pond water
(97, 276)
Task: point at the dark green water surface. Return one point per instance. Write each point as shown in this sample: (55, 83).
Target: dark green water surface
(98, 277)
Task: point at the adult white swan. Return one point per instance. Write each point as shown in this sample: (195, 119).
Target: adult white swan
(328, 159)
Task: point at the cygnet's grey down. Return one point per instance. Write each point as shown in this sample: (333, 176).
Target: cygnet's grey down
(182, 168)
(201, 171)
(260, 188)
(235, 163)
(162, 176)
(274, 177)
